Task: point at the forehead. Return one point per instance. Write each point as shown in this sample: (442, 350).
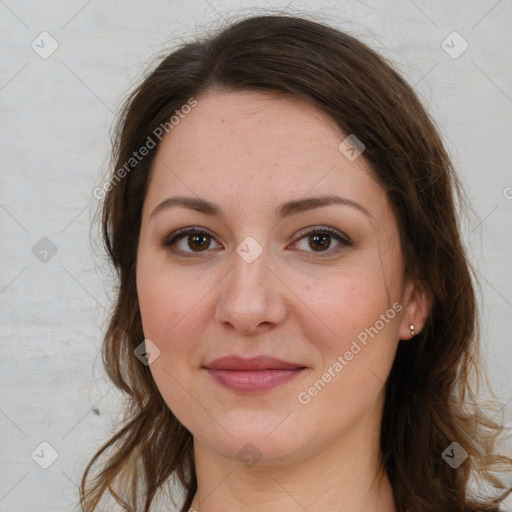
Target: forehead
(259, 148)
(251, 124)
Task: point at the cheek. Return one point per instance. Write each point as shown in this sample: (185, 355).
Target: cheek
(170, 307)
(167, 298)
(355, 332)
(342, 305)
(173, 311)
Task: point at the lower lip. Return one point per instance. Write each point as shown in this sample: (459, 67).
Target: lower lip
(253, 381)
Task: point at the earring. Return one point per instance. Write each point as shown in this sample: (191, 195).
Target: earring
(411, 327)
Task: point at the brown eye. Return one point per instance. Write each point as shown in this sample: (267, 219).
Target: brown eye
(198, 242)
(188, 241)
(324, 241)
(319, 242)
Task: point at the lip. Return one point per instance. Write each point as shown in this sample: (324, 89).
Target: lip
(257, 363)
(253, 374)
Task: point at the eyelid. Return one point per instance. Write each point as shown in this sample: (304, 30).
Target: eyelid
(343, 241)
(323, 229)
(169, 241)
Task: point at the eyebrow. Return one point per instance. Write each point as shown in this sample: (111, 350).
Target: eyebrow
(282, 211)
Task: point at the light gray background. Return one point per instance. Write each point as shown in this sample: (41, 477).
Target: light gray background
(56, 115)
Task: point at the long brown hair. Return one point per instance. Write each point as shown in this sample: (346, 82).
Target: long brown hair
(430, 393)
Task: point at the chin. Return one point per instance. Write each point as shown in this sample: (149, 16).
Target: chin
(251, 445)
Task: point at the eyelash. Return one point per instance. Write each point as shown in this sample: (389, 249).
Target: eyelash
(169, 241)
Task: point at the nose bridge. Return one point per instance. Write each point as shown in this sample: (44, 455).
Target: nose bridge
(250, 295)
(249, 277)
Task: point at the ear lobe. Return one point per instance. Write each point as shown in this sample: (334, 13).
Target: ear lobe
(416, 310)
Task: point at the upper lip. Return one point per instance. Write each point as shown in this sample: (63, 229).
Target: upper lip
(254, 363)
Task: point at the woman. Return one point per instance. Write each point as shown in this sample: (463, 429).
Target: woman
(295, 325)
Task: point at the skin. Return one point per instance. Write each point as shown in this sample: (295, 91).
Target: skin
(248, 152)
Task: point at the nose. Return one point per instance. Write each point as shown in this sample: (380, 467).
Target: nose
(252, 298)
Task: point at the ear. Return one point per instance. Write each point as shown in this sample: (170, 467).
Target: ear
(416, 307)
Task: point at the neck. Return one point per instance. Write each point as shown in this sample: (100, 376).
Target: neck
(345, 475)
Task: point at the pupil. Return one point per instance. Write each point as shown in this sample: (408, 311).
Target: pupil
(319, 239)
(198, 242)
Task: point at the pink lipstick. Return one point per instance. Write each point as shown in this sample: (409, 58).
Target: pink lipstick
(255, 374)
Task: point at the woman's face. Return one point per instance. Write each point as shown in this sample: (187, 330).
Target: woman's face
(291, 252)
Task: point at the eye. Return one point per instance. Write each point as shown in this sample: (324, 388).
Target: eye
(189, 241)
(326, 241)
(193, 240)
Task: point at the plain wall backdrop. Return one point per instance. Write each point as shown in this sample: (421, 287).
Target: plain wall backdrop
(65, 68)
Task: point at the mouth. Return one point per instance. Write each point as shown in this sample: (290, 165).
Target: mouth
(253, 375)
